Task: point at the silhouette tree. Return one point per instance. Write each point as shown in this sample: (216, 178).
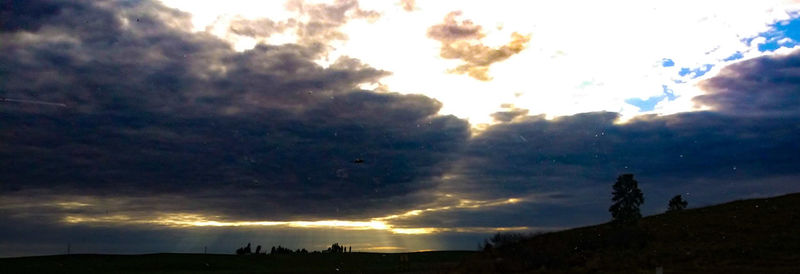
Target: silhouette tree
(282, 250)
(335, 248)
(627, 198)
(244, 250)
(677, 203)
(258, 249)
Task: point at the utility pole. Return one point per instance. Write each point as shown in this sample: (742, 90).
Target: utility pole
(205, 250)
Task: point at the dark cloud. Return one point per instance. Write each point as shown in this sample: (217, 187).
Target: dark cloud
(462, 40)
(265, 133)
(761, 86)
(25, 15)
(590, 148)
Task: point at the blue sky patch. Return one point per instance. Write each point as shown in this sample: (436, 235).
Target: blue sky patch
(736, 56)
(650, 103)
(646, 105)
(667, 63)
(669, 93)
(781, 34)
(695, 72)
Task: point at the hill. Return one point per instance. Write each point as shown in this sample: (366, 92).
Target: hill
(356, 262)
(746, 236)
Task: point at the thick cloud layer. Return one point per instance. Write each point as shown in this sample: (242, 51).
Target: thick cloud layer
(756, 87)
(265, 133)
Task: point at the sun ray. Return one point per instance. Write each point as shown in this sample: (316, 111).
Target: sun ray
(383, 223)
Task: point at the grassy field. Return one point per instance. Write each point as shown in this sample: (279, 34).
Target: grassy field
(747, 236)
(418, 262)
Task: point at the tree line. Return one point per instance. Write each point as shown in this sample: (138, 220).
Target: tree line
(280, 250)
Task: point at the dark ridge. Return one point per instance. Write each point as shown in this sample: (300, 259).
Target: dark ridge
(744, 236)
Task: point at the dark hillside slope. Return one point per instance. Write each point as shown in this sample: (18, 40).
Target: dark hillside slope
(747, 236)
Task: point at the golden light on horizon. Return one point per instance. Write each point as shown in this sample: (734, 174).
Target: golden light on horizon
(193, 220)
(189, 220)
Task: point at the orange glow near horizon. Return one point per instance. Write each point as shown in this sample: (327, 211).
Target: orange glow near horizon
(185, 220)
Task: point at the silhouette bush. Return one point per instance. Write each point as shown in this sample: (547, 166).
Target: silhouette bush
(244, 250)
(677, 203)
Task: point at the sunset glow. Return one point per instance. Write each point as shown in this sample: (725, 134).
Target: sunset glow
(185, 220)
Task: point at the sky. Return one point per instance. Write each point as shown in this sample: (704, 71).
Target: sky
(133, 127)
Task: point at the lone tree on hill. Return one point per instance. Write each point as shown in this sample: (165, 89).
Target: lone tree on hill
(677, 203)
(627, 198)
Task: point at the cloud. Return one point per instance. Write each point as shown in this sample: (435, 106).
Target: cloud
(25, 15)
(560, 168)
(408, 5)
(325, 19)
(508, 115)
(462, 41)
(265, 133)
(262, 27)
(452, 30)
(761, 86)
(317, 26)
(744, 147)
(585, 149)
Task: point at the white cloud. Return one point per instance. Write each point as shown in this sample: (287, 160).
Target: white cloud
(583, 55)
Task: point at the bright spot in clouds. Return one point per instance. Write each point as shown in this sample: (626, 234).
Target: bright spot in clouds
(582, 56)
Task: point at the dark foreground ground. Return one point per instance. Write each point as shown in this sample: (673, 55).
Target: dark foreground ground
(747, 236)
(419, 262)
